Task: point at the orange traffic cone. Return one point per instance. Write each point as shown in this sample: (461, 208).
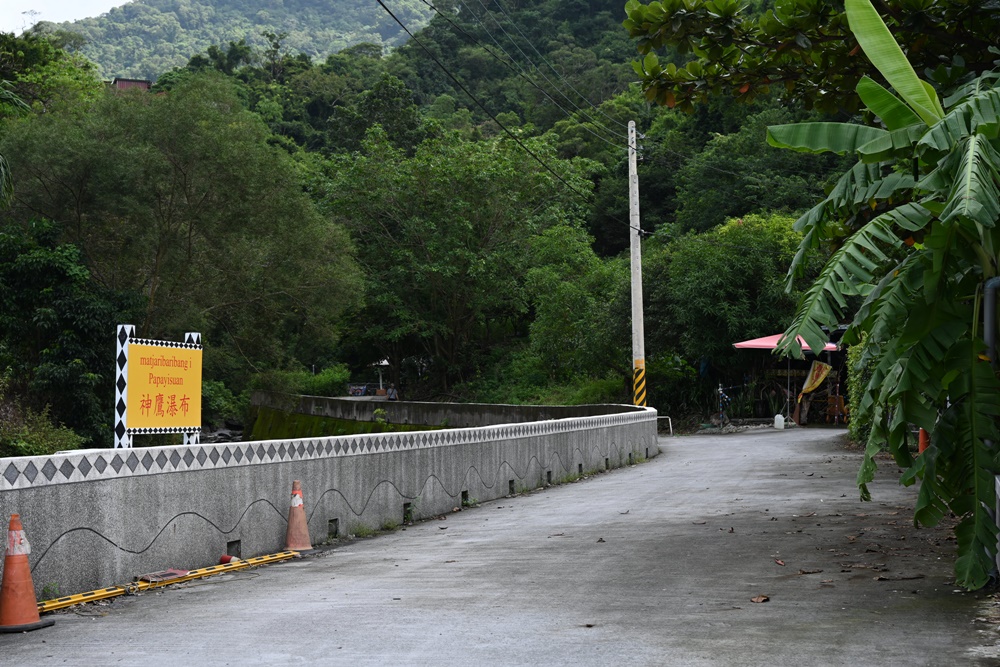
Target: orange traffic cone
(923, 442)
(297, 537)
(18, 606)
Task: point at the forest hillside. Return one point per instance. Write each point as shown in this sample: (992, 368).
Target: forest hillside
(144, 38)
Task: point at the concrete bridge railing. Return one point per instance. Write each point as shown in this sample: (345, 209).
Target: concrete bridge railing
(96, 518)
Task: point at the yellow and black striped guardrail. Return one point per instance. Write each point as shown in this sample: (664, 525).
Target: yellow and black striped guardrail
(139, 586)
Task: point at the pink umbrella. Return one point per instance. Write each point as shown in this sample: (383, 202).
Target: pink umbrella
(771, 342)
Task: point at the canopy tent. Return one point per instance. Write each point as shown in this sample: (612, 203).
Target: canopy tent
(770, 343)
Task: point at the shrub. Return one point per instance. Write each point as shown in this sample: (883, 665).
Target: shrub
(31, 433)
(858, 376)
(218, 403)
(330, 381)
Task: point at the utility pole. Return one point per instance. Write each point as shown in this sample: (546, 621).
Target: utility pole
(638, 344)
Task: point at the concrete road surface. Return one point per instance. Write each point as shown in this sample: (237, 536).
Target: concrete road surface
(655, 564)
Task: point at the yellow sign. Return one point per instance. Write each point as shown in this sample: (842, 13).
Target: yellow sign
(163, 387)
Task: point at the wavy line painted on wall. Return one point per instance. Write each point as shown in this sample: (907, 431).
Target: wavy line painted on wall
(356, 511)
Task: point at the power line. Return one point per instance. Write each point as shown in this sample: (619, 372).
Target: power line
(528, 58)
(487, 111)
(519, 71)
(748, 177)
(570, 85)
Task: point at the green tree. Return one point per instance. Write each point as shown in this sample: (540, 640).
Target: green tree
(800, 49)
(180, 198)
(388, 104)
(43, 75)
(736, 174)
(914, 224)
(8, 100)
(706, 291)
(56, 339)
(574, 332)
(443, 237)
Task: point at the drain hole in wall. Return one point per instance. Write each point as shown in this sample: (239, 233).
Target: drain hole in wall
(607, 463)
(647, 452)
(510, 487)
(579, 468)
(630, 458)
(407, 512)
(548, 476)
(233, 548)
(465, 498)
(333, 528)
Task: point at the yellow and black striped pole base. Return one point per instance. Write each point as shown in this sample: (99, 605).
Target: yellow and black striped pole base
(639, 384)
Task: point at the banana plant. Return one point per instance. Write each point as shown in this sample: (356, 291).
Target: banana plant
(914, 230)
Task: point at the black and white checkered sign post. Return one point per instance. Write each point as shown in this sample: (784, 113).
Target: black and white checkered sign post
(123, 433)
(123, 439)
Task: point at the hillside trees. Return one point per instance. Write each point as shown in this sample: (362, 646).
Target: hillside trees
(712, 289)
(443, 238)
(146, 38)
(43, 75)
(579, 328)
(180, 199)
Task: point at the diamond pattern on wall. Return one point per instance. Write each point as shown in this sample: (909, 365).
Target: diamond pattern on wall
(46, 470)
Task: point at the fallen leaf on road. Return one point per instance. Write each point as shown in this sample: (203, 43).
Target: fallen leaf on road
(731, 530)
(779, 562)
(600, 539)
(451, 561)
(759, 598)
(625, 512)
(443, 527)
(699, 523)
(810, 571)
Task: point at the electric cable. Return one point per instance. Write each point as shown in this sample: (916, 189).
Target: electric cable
(528, 58)
(519, 71)
(582, 96)
(749, 177)
(568, 84)
(493, 117)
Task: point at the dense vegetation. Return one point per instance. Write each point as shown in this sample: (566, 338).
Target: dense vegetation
(455, 207)
(144, 38)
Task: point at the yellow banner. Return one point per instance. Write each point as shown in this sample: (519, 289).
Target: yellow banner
(164, 387)
(817, 373)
